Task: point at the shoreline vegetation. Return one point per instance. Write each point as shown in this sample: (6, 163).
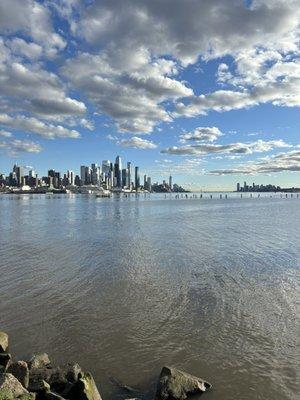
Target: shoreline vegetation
(38, 379)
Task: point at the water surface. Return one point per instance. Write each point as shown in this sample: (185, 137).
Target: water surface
(125, 286)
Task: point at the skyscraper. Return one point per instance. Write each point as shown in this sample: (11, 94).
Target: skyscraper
(71, 177)
(149, 186)
(105, 167)
(137, 179)
(19, 171)
(129, 175)
(170, 182)
(118, 171)
(83, 174)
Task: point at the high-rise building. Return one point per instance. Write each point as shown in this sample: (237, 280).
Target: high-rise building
(82, 174)
(170, 182)
(149, 186)
(238, 187)
(19, 171)
(128, 184)
(124, 177)
(118, 172)
(105, 167)
(137, 179)
(71, 177)
(85, 175)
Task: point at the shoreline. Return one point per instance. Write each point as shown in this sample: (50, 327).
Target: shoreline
(38, 379)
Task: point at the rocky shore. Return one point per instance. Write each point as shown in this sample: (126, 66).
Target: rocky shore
(38, 379)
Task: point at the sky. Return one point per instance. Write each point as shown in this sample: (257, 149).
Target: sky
(208, 91)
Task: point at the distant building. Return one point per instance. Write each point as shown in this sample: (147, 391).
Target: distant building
(137, 179)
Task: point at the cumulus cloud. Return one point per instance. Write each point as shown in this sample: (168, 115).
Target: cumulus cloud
(34, 125)
(124, 83)
(30, 50)
(16, 146)
(134, 142)
(232, 148)
(33, 19)
(188, 29)
(32, 88)
(5, 134)
(202, 134)
(129, 91)
(125, 59)
(283, 93)
(279, 163)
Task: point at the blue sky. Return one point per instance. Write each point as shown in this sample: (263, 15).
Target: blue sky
(205, 90)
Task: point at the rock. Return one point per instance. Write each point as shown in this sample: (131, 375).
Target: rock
(20, 370)
(58, 381)
(178, 385)
(41, 373)
(38, 384)
(39, 361)
(72, 372)
(84, 389)
(5, 360)
(8, 381)
(3, 342)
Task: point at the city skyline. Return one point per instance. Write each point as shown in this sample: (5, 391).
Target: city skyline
(108, 176)
(212, 103)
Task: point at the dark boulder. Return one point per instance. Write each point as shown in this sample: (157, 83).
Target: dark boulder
(58, 380)
(72, 372)
(178, 385)
(84, 389)
(38, 384)
(3, 342)
(5, 360)
(20, 370)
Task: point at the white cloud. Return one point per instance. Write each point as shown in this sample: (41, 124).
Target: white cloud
(283, 93)
(202, 134)
(5, 134)
(34, 125)
(30, 50)
(279, 163)
(134, 142)
(130, 91)
(232, 148)
(16, 146)
(188, 29)
(134, 52)
(33, 19)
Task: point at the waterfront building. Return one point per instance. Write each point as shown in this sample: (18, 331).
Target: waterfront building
(149, 186)
(19, 171)
(128, 184)
(105, 167)
(137, 179)
(170, 182)
(71, 177)
(118, 172)
(124, 177)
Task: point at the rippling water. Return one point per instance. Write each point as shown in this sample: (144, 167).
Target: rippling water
(124, 286)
